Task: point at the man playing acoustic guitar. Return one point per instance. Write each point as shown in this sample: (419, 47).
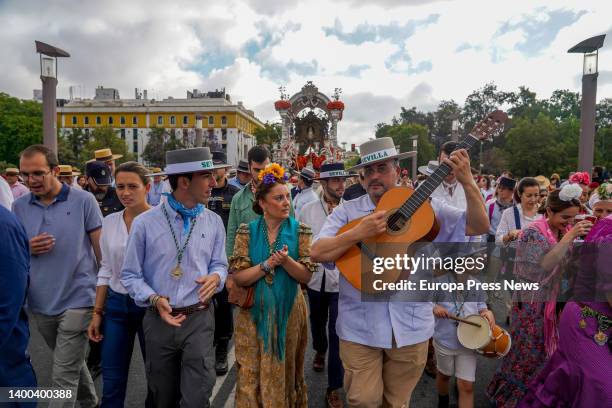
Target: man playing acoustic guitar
(383, 345)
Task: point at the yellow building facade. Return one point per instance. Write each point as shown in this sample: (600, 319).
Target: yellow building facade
(230, 126)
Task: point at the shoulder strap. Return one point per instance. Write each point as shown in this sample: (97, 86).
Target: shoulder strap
(517, 217)
(491, 209)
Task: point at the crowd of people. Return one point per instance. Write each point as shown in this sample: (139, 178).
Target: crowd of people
(186, 259)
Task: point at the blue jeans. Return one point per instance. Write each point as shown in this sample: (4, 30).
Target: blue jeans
(122, 321)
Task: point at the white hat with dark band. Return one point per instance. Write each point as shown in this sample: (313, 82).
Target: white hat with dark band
(378, 150)
(187, 161)
(331, 170)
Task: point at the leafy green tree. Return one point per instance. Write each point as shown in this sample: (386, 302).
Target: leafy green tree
(160, 141)
(106, 137)
(70, 147)
(20, 126)
(269, 134)
(403, 136)
(532, 147)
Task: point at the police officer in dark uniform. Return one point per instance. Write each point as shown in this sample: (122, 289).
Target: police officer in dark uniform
(220, 201)
(99, 183)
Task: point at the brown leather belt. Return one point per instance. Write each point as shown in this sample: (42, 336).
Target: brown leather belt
(198, 307)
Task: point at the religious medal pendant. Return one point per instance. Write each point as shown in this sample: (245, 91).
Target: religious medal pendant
(582, 323)
(176, 272)
(600, 338)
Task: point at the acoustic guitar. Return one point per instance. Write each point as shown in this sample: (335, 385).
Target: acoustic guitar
(410, 218)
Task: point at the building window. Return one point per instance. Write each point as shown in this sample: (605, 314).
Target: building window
(110, 120)
(135, 140)
(245, 151)
(160, 120)
(172, 120)
(98, 120)
(122, 120)
(211, 120)
(86, 119)
(224, 120)
(224, 134)
(122, 134)
(74, 120)
(134, 120)
(185, 120)
(87, 132)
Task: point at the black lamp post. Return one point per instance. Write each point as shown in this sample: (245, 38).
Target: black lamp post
(586, 144)
(48, 75)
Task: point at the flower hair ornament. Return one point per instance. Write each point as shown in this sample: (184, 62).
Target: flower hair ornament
(582, 177)
(603, 193)
(272, 173)
(570, 192)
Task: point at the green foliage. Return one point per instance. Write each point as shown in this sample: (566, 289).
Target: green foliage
(350, 162)
(102, 138)
(160, 141)
(70, 148)
(269, 134)
(4, 165)
(20, 126)
(531, 147)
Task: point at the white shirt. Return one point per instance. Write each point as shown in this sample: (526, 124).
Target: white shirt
(304, 197)
(6, 195)
(314, 214)
(112, 245)
(457, 200)
(507, 224)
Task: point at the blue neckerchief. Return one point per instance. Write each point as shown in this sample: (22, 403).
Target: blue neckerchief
(188, 214)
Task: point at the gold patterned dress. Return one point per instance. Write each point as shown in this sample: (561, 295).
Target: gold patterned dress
(263, 379)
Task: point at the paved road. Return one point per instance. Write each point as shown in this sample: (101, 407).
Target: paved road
(424, 395)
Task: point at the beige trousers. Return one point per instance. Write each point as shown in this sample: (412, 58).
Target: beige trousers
(375, 377)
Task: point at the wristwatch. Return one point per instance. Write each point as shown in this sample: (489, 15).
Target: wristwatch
(265, 267)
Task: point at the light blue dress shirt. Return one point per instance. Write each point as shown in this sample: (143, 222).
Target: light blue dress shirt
(155, 193)
(376, 324)
(235, 182)
(151, 255)
(446, 329)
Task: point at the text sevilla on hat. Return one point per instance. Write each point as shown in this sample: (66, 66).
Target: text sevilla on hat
(187, 161)
(378, 150)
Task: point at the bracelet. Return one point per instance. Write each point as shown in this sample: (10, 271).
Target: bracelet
(98, 311)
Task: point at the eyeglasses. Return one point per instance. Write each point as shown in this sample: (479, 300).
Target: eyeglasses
(380, 169)
(37, 175)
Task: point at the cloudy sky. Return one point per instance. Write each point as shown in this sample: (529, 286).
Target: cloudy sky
(384, 54)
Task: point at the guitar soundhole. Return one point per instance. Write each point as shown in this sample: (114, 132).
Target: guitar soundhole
(396, 222)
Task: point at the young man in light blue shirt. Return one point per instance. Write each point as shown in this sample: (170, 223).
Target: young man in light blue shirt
(383, 345)
(174, 263)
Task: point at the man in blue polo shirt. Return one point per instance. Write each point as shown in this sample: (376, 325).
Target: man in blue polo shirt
(63, 226)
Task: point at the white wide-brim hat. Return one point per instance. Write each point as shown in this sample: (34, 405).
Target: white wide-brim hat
(428, 170)
(379, 150)
(187, 161)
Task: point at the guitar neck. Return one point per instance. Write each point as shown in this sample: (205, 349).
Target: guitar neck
(425, 189)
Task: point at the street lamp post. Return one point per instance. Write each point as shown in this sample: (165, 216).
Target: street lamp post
(48, 75)
(415, 144)
(586, 145)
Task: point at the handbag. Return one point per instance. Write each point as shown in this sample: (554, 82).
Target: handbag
(239, 295)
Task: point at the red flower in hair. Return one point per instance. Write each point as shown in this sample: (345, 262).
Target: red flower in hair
(581, 177)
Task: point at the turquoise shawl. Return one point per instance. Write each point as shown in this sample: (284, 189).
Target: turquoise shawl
(273, 302)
